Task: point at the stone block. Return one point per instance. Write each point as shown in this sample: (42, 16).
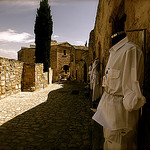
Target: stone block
(2, 83)
(2, 78)
(2, 96)
(16, 87)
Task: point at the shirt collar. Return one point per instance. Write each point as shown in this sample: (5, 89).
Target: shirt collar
(119, 44)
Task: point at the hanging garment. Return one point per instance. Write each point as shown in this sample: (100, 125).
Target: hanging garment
(91, 78)
(120, 139)
(122, 98)
(96, 79)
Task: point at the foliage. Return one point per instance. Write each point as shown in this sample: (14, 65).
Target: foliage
(43, 31)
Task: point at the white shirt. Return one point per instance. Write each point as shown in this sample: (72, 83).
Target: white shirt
(96, 79)
(95, 71)
(91, 78)
(119, 104)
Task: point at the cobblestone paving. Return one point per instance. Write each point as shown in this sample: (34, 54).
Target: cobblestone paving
(62, 122)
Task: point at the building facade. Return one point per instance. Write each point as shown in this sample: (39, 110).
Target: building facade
(67, 61)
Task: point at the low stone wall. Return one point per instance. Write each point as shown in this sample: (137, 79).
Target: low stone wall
(16, 76)
(10, 77)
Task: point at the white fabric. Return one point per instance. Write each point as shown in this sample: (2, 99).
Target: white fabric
(123, 76)
(120, 139)
(91, 78)
(95, 80)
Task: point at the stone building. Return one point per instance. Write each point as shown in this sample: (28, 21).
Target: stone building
(67, 61)
(108, 21)
(62, 60)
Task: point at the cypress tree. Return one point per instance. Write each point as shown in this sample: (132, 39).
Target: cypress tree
(43, 31)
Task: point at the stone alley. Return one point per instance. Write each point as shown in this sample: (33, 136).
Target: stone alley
(61, 120)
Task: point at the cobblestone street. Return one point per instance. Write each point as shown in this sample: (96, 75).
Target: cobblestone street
(61, 120)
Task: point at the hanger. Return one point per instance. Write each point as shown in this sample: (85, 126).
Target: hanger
(96, 58)
(117, 34)
(118, 37)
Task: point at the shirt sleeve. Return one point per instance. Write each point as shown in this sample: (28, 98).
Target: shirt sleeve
(133, 74)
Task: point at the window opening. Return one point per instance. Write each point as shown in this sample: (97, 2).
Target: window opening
(65, 52)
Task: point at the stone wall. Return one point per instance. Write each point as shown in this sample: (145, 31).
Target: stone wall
(10, 77)
(16, 76)
(72, 63)
(92, 46)
(33, 77)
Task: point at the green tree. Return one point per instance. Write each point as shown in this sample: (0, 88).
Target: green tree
(43, 30)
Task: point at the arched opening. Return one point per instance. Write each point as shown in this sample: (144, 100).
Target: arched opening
(66, 68)
(85, 72)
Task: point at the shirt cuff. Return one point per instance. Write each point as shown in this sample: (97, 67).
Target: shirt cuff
(134, 100)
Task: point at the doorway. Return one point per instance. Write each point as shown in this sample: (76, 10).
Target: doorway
(66, 68)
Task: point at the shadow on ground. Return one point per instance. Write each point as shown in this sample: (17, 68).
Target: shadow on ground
(63, 122)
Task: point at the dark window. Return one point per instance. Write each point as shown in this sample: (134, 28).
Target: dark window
(66, 68)
(64, 52)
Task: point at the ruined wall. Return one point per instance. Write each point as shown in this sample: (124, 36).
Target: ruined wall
(33, 77)
(10, 77)
(28, 77)
(27, 55)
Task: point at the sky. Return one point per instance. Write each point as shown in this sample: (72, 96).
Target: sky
(72, 22)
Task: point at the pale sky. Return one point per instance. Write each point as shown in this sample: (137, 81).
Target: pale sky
(72, 22)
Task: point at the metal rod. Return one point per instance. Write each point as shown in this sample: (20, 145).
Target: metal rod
(135, 30)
